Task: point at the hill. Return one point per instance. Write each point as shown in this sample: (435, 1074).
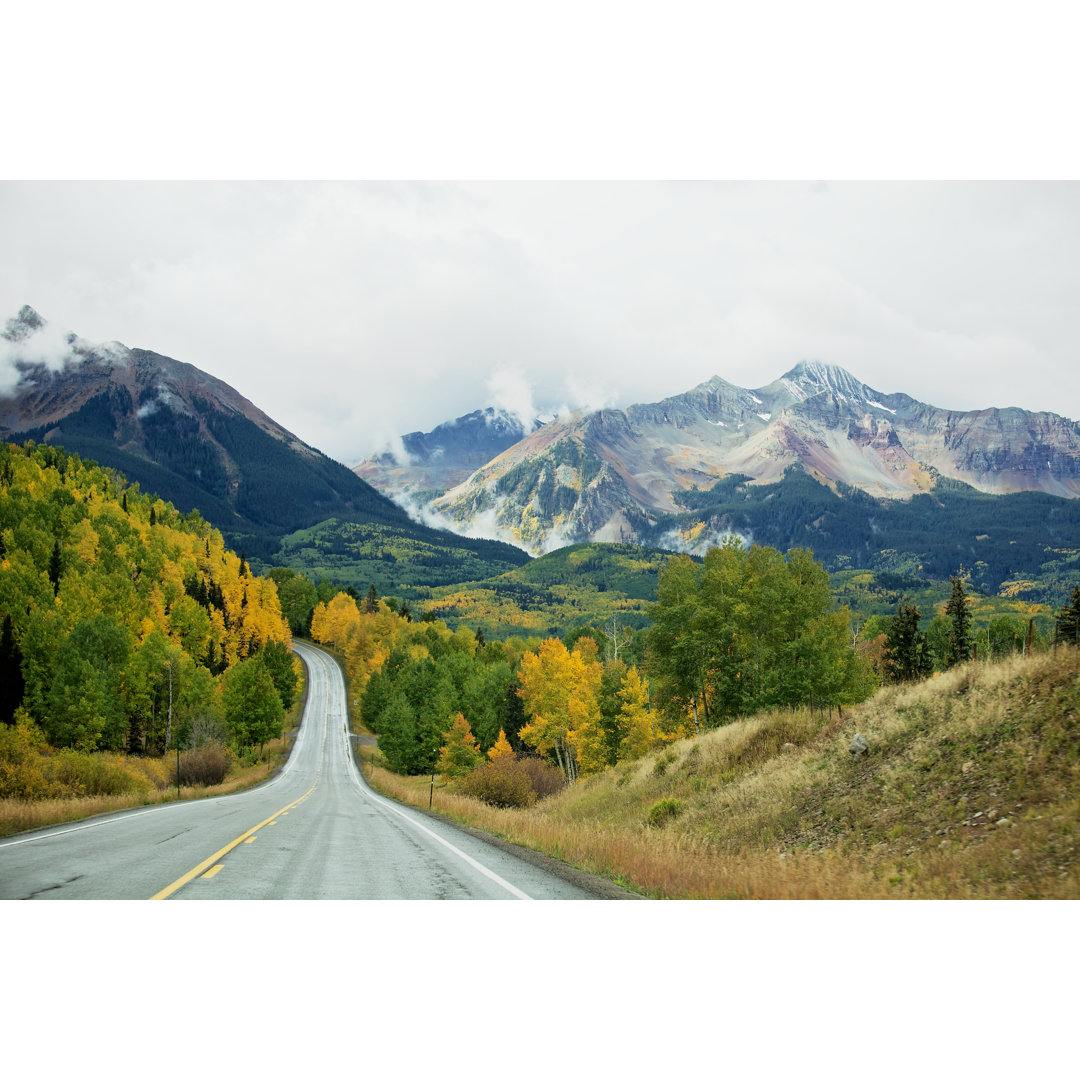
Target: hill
(968, 790)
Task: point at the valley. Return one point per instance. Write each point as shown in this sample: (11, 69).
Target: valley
(670, 599)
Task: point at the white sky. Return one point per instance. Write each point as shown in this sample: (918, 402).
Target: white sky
(356, 312)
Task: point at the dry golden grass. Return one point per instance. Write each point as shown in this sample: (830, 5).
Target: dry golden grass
(970, 790)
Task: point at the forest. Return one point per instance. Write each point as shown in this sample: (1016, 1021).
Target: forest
(127, 627)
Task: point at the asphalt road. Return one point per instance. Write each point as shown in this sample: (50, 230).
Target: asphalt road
(315, 831)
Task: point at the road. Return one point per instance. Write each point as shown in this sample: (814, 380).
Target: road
(315, 831)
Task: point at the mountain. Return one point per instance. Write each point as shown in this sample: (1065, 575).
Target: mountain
(446, 456)
(614, 474)
(195, 442)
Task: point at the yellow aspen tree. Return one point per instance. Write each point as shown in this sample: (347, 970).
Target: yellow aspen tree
(559, 691)
(501, 749)
(460, 753)
(636, 720)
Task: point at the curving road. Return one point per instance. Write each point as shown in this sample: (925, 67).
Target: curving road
(315, 831)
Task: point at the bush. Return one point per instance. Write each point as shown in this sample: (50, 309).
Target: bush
(502, 782)
(544, 777)
(204, 767)
(512, 781)
(22, 775)
(663, 811)
(81, 773)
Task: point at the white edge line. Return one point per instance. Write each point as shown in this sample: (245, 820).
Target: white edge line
(367, 793)
(128, 815)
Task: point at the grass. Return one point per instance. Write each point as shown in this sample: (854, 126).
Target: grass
(970, 791)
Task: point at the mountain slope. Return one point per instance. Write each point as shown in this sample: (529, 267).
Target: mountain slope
(613, 474)
(188, 437)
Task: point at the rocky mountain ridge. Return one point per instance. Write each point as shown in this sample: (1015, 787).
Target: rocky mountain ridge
(604, 475)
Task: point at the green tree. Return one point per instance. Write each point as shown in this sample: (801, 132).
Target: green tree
(252, 704)
(958, 612)
(278, 659)
(1067, 620)
(298, 598)
(907, 655)
(85, 700)
(750, 629)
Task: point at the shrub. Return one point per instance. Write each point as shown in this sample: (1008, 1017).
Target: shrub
(205, 766)
(22, 774)
(663, 811)
(502, 782)
(512, 781)
(544, 777)
(81, 773)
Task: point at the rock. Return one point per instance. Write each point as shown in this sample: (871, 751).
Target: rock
(1003, 821)
(858, 747)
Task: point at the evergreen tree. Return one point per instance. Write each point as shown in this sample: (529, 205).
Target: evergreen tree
(55, 567)
(371, 604)
(11, 676)
(958, 611)
(907, 655)
(1067, 620)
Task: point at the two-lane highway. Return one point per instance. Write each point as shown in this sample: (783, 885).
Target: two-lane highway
(316, 831)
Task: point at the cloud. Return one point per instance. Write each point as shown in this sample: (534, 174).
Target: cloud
(354, 313)
(45, 346)
(509, 389)
(687, 543)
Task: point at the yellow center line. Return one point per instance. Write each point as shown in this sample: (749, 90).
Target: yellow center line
(213, 870)
(179, 883)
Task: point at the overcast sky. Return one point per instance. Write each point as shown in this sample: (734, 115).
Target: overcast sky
(356, 312)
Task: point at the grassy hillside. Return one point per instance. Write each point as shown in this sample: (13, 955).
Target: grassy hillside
(970, 789)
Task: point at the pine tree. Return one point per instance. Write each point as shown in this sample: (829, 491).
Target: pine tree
(371, 604)
(1067, 620)
(907, 655)
(11, 676)
(55, 568)
(959, 613)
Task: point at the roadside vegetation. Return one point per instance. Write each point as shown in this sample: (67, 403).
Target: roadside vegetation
(46, 786)
(132, 642)
(969, 789)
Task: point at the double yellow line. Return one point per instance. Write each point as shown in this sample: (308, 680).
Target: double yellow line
(179, 883)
